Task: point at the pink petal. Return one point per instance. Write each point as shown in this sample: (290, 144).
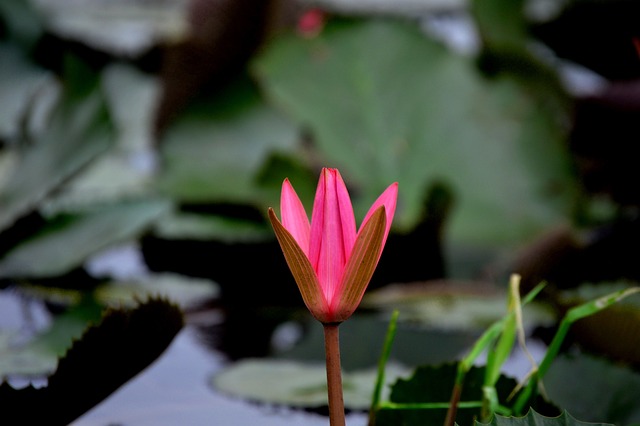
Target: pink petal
(347, 219)
(294, 217)
(317, 222)
(388, 199)
(331, 254)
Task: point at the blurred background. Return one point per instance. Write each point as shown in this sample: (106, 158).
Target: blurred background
(141, 143)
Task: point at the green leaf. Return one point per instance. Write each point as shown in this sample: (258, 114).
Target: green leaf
(595, 389)
(123, 28)
(386, 104)
(77, 131)
(296, 384)
(21, 22)
(452, 305)
(106, 357)
(216, 150)
(21, 85)
(195, 226)
(126, 170)
(534, 419)
(430, 384)
(68, 240)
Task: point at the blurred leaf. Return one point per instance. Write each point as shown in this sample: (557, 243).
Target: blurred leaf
(182, 290)
(501, 23)
(39, 355)
(216, 149)
(127, 169)
(594, 389)
(21, 22)
(384, 103)
(362, 342)
(123, 28)
(67, 240)
(613, 332)
(453, 305)
(106, 357)
(295, 384)
(195, 226)
(77, 131)
(20, 85)
(534, 419)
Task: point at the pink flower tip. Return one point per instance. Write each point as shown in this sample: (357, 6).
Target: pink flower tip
(331, 260)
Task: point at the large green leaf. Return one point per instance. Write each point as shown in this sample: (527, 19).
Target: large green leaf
(217, 149)
(387, 104)
(534, 419)
(76, 132)
(68, 240)
(595, 389)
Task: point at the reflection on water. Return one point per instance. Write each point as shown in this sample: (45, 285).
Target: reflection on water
(174, 390)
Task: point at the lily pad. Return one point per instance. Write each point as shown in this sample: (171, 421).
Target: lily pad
(68, 240)
(296, 384)
(384, 103)
(184, 291)
(77, 131)
(434, 384)
(106, 356)
(195, 226)
(453, 305)
(216, 150)
(38, 355)
(595, 389)
(534, 419)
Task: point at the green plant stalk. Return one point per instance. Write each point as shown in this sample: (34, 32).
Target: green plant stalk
(334, 375)
(573, 315)
(382, 364)
(483, 343)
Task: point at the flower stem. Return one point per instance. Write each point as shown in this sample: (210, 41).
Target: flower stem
(334, 375)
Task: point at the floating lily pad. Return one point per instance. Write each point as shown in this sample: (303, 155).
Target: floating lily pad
(38, 355)
(296, 384)
(384, 103)
(434, 384)
(453, 305)
(68, 240)
(595, 389)
(106, 356)
(181, 290)
(534, 419)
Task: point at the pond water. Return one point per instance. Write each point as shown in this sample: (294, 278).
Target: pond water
(174, 390)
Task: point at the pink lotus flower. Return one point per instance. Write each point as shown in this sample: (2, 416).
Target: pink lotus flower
(331, 262)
